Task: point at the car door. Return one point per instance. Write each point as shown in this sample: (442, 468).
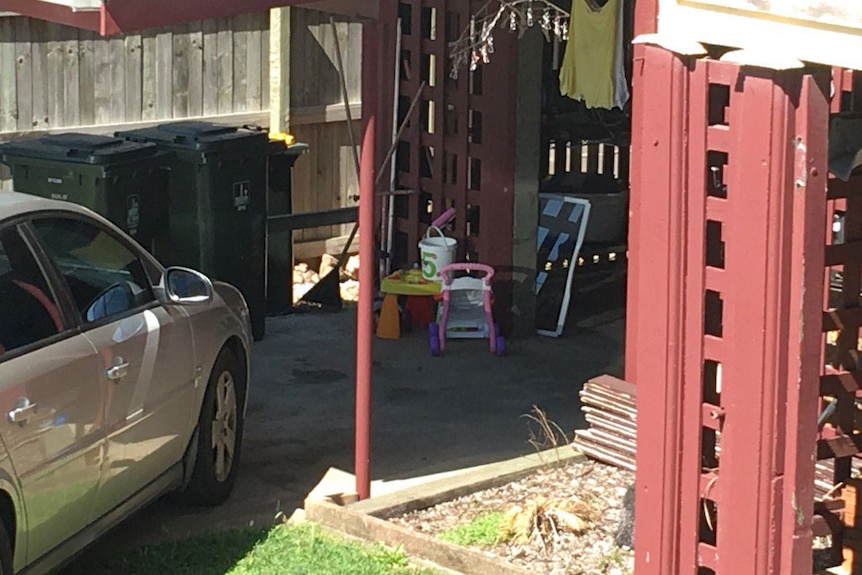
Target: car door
(146, 352)
(50, 399)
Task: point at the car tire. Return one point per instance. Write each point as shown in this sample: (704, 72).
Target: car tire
(220, 428)
(5, 551)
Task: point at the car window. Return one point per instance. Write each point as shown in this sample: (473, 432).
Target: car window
(28, 309)
(106, 279)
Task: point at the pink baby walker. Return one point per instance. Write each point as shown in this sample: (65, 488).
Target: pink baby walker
(465, 311)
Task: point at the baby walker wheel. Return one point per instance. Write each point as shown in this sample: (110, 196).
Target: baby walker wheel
(434, 339)
(501, 346)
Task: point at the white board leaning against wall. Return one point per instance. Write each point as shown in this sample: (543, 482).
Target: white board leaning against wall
(807, 30)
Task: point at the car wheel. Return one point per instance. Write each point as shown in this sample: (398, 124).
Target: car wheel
(220, 428)
(5, 552)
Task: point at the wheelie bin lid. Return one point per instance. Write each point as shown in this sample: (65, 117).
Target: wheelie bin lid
(77, 148)
(287, 153)
(198, 136)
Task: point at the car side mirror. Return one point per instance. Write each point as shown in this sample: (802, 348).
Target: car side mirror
(183, 286)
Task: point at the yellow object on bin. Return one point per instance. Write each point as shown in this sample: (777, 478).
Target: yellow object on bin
(288, 139)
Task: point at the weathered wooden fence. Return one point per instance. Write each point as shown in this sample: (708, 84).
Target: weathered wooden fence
(326, 177)
(54, 77)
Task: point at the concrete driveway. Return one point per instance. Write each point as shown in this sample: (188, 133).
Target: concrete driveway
(430, 414)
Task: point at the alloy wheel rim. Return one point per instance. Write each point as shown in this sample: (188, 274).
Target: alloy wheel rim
(224, 426)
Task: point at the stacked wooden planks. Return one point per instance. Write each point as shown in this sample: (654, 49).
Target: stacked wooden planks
(610, 407)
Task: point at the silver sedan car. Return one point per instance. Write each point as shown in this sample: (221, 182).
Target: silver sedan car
(120, 381)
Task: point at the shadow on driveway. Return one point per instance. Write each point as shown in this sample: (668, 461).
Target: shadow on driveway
(430, 414)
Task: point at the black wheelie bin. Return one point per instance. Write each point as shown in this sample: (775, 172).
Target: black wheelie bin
(217, 203)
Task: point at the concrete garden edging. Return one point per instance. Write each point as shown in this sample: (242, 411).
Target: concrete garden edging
(368, 519)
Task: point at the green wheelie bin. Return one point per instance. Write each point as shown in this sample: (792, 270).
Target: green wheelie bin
(121, 180)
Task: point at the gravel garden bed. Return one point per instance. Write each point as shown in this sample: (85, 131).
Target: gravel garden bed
(557, 521)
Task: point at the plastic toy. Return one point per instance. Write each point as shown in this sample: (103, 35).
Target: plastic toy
(465, 310)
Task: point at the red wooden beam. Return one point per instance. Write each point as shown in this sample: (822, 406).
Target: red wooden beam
(124, 16)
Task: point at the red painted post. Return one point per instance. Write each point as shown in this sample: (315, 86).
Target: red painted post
(646, 17)
(367, 258)
(654, 355)
(805, 352)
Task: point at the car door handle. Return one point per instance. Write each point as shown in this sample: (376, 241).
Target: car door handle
(23, 412)
(118, 371)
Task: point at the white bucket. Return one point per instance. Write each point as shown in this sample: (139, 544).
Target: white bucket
(435, 253)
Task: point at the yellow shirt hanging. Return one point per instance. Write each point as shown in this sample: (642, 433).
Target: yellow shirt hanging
(589, 64)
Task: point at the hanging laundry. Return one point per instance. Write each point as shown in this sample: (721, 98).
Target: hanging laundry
(593, 67)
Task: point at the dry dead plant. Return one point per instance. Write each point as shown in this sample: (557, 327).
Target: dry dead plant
(545, 519)
(544, 433)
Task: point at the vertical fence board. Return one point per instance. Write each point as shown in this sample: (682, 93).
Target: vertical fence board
(118, 80)
(304, 56)
(352, 63)
(102, 89)
(149, 73)
(134, 78)
(55, 92)
(210, 67)
(331, 91)
(328, 151)
(240, 60)
(180, 69)
(253, 54)
(86, 77)
(71, 80)
(24, 74)
(8, 93)
(225, 66)
(264, 62)
(196, 63)
(164, 74)
(39, 58)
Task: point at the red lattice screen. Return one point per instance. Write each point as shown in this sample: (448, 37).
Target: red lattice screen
(725, 300)
(459, 148)
(840, 441)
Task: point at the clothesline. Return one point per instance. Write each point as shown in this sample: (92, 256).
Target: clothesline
(476, 43)
(593, 66)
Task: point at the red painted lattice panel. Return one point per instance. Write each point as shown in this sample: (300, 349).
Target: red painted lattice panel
(459, 148)
(840, 441)
(725, 298)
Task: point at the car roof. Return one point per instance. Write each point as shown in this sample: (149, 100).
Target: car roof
(15, 204)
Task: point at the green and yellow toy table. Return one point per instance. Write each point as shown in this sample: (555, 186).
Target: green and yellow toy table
(407, 283)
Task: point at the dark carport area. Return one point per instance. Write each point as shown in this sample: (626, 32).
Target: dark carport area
(430, 415)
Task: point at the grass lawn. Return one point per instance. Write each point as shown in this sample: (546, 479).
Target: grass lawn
(283, 550)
